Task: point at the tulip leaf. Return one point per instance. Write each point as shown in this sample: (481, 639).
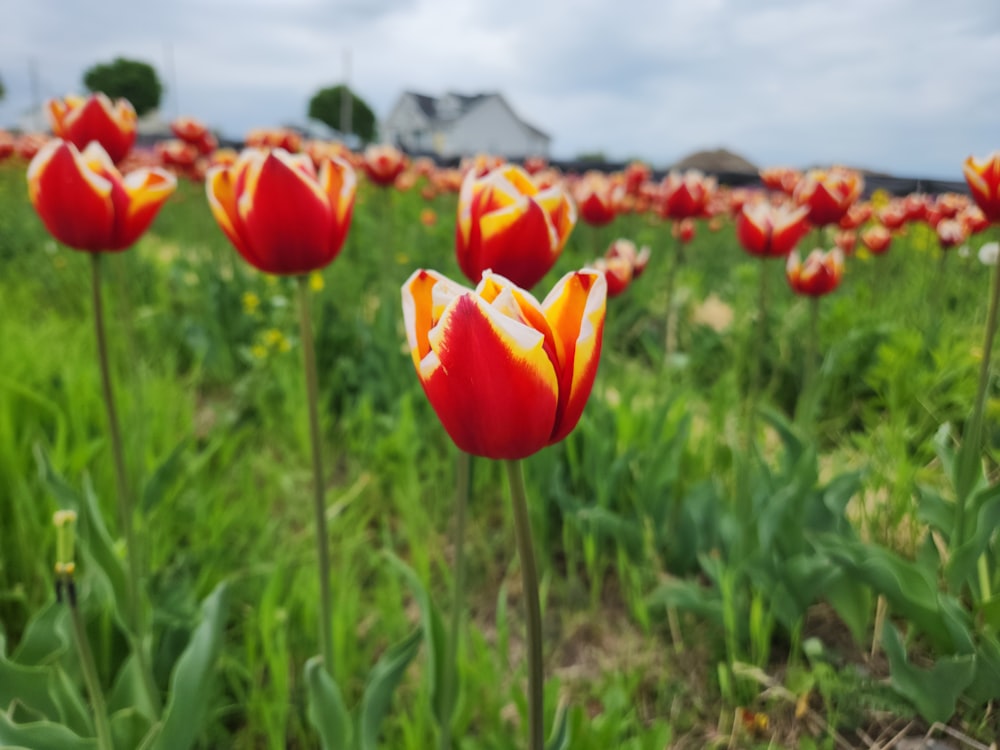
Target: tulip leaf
(562, 734)
(190, 683)
(163, 477)
(327, 712)
(40, 735)
(436, 638)
(963, 561)
(933, 692)
(382, 682)
(45, 636)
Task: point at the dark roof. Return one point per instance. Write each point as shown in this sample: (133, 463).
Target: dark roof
(429, 106)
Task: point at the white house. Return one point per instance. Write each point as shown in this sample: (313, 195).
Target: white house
(455, 125)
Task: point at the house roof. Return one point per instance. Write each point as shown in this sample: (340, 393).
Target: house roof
(430, 106)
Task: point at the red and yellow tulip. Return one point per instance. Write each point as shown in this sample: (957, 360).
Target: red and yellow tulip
(507, 375)
(769, 230)
(282, 215)
(686, 196)
(828, 193)
(87, 204)
(820, 273)
(81, 120)
(621, 265)
(876, 238)
(506, 224)
(595, 199)
(383, 164)
(983, 178)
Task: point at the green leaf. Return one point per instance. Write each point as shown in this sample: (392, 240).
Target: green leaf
(561, 734)
(852, 601)
(40, 735)
(962, 565)
(436, 638)
(163, 477)
(382, 682)
(128, 728)
(933, 692)
(46, 636)
(327, 713)
(190, 683)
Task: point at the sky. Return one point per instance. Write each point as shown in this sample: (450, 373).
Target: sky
(908, 87)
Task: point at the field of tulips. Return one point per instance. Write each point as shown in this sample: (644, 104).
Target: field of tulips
(307, 448)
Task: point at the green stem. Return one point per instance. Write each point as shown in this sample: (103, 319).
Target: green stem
(807, 401)
(463, 482)
(533, 610)
(125, 504)
(89, 669)
(671, 281)
(319, 502)
(967, 471)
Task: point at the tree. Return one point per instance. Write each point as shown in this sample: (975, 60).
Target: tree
(3, 91)
(129, 79)
(326, 104)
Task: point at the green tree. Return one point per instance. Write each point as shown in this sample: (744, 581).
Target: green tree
(3, 91)
(326, 104)
(129, 79)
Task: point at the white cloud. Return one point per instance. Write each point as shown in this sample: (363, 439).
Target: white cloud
(899, 85)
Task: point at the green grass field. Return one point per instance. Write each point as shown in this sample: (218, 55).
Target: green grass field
(687, 574)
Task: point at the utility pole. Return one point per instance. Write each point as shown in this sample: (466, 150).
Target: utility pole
(347, 100)
(168, 51)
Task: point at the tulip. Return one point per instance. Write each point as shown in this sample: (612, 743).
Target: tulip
(876, 238)
(86, 203)
(636, 175)
(506, 375)
(846, 240)
(951, 232)
(893, 215)
(974, 220)
(282, 138)
(6, 145)
(96, 118)
(828, 194)
(194, 132)
(781, 179)
(984, 183)
(621, 265)
(820, 274)
(685, 196)
(595, 199)
(506, 224)
(281, 215)
(383, 164)
(856, 215)
(768, 230)
(683, 230)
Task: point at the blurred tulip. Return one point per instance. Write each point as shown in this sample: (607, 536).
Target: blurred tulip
(916, 206)
(820, 274)
(621, 265)
(383, 164)
(535, 164)
(86, 203)
(506, 375)
(282, 138)
(428, 217)
(780, 179)
(876, 238)
(81, 120)
(983, 178)
(767, 230)
(637, 174)
(683, 230)
(595, 200)
(480, 164)
(27, 145)
(856, 215)
(506, 224)
(974, 220)
(846, 240)
(223, 157)
(6, 145)
(893, 215)
(195, 133)
(951, 232)
(176, 153)
(684, 196)
(828, 193)
(282, 215)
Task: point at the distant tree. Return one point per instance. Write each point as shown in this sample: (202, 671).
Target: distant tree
(596, 157)
(3, 91)
(326, 104)
(129, 79)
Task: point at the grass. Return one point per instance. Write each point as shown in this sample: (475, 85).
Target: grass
(205, 375)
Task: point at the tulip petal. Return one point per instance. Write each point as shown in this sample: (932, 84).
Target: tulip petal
(286, 217)
(490, 381)
(426, 294)
(220, 184)
(575, 311)
(73, 201)
(145, 192)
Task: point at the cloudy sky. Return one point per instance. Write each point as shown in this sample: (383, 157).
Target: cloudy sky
(909, 87)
